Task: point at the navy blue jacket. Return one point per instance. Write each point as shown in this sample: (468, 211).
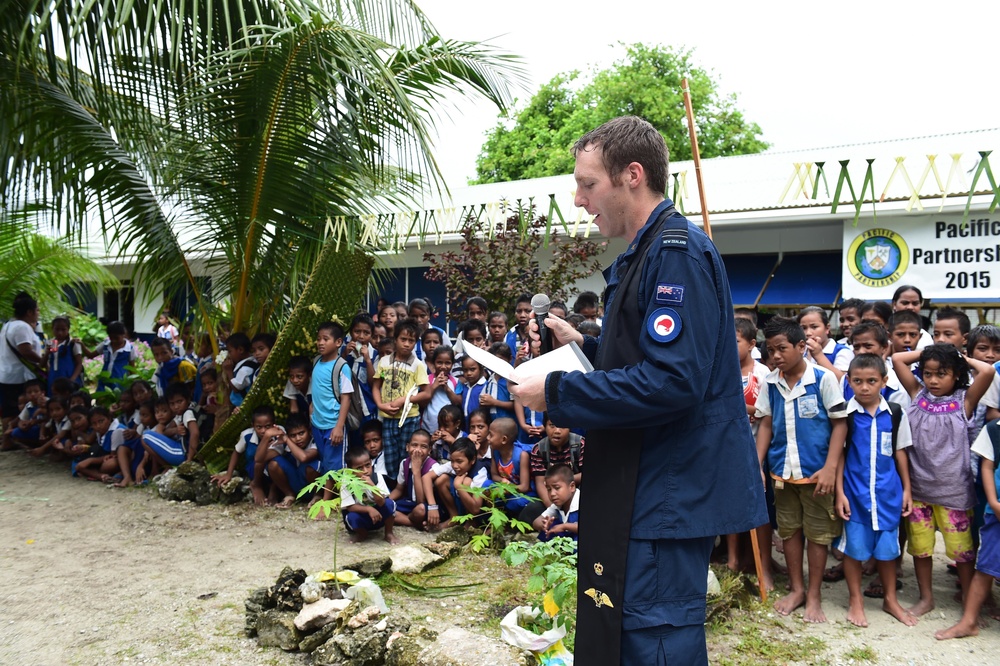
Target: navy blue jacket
(698, 472)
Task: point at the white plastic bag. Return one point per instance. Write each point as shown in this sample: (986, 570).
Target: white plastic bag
(367, 593)
(548, 647)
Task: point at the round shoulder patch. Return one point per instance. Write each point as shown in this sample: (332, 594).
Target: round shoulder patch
(664, 325)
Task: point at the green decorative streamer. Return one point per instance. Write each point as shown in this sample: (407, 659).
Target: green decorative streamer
(984, 165)
(855, 201)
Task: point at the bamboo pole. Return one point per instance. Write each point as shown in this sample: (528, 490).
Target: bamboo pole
(693, 134)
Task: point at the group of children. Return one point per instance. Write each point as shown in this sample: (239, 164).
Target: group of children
(874, 442)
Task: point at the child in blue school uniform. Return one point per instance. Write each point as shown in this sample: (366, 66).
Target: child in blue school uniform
(821, 349)
(375, 509)
(65, 356)
(362, 356)
(247, 445)
(239, 368)
(873, 492)
(297, 390)
(447, 485)
(562, 517)
(109, 436)
(496, 394)
(117, 350)
(803, 447)
(294, 460)
(870, 338)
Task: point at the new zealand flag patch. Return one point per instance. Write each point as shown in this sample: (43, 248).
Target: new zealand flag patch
(669, 293)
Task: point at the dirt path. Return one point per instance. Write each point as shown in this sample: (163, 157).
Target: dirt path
(93, 575)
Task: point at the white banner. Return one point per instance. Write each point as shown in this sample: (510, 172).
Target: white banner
(937, 253)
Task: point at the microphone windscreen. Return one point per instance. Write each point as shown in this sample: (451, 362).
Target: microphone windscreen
(540, 304)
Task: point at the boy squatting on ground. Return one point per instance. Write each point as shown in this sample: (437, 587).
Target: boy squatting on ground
(873, 486)
(562, 517)
(376, 508)
(804, 466)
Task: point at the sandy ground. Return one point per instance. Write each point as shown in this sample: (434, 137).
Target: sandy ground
(94, 575)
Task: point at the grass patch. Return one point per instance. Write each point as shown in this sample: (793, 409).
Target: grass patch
(862, 653)
(769, 645)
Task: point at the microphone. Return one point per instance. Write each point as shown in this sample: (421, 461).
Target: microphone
(540, 306)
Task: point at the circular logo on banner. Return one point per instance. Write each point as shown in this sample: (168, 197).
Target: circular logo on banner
(878, 257)
(664, 325)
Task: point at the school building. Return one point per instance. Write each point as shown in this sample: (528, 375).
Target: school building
(796, 228)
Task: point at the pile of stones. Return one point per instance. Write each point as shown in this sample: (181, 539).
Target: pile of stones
(191, 482)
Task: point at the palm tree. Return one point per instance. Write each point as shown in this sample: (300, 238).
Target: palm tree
(50, 269)
(222, 137)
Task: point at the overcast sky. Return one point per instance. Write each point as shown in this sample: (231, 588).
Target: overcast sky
(811, 74)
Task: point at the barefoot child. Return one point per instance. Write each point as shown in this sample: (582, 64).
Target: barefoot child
(754, 375)
(940, 460)
(375, 508)
(562, 517)
(803, 447)
(330, 403)
(449, 482)
(873, 486)
(296, 462)
(411, 503)
(987, 447)
(109, 437)
(249, 441)
(132, 458)
(180, 443)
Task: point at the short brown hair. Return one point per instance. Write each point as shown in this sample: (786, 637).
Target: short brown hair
(628, 139)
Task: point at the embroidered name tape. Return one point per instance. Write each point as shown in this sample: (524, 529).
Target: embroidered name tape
(669, 293)
(664, 325)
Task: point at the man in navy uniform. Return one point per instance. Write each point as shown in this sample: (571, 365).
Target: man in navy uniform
(670, 458)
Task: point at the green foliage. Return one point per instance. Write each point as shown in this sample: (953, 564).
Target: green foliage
(501, 262)
(48, 268)
(862, 653)
(553, 578)
(88, 328)
(332, 292)
(492, 516)
(115, 386)
(237, 133)
(536, 142)
(345, 478)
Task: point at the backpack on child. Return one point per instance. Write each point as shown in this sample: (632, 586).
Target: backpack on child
(895, 412)
(574, 451)
(356, 410)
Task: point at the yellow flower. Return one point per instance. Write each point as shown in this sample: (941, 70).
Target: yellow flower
(315, 309)
(549, 604)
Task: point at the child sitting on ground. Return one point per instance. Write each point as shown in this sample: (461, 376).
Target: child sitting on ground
(449, 483)
(32, 416)
(132, 459)
(478, 425)
(295, 462)
(375, 508)
(249, 441)
(411, 503)
(109, 436)
(987, 447)
(509, 463)
(77, 445)
(873, 488)
(208, 404)
(562, 517)
(803, 447)
(180, 443)
(56, 428)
